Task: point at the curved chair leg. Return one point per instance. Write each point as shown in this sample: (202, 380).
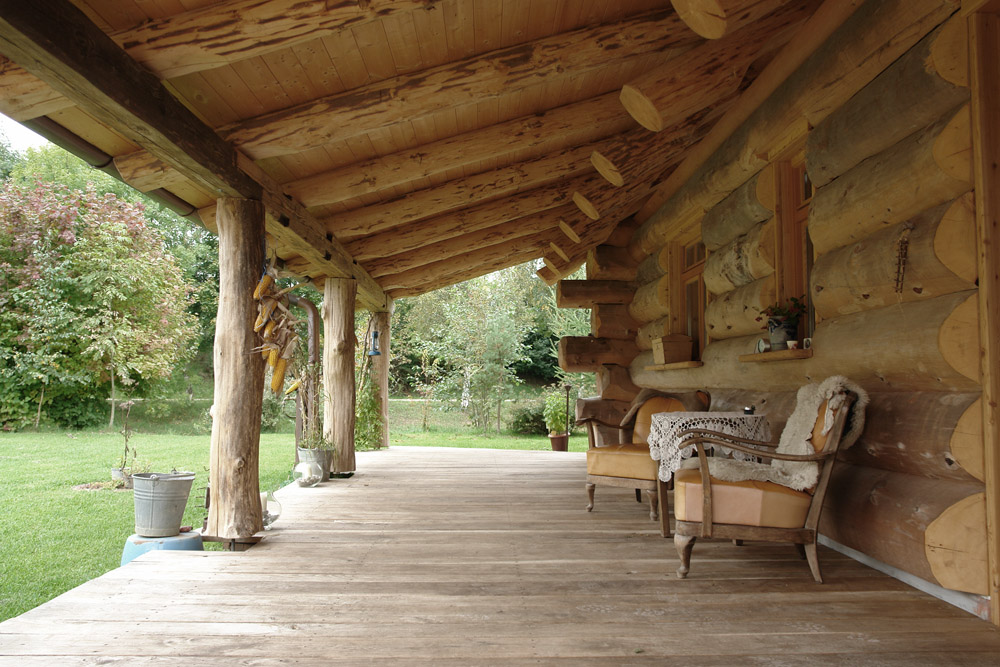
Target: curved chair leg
(654, 505)
(813, 559)
(590, 495)
(684, 544)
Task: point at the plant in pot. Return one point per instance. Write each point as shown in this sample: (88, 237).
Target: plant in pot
(313, 449)
(782, 321)
(555, 420)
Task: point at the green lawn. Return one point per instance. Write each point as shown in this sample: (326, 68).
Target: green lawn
(53, 537)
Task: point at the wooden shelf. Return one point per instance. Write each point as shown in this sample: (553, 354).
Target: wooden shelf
(777, 355)
(675, 365)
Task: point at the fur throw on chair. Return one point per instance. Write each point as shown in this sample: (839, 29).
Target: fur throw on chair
(795, 439)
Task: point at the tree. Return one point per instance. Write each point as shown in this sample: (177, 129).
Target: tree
(88, 297)
(472, 334)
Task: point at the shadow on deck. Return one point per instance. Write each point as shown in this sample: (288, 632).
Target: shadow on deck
(457, 556)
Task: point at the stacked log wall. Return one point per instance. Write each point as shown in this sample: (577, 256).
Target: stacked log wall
(894, 290)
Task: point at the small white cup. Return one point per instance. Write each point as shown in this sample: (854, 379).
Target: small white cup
(793, 344)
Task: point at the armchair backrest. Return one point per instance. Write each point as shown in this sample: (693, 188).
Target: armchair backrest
(644, 418)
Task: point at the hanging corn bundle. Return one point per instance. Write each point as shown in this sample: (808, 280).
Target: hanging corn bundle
(276, 328)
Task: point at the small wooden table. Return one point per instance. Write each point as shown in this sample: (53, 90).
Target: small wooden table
(669, 451)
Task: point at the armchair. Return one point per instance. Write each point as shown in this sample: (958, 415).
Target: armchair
(628, 463)
(776, 502)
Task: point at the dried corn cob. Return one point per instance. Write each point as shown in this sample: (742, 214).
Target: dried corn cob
(262, 286)
(278, 376)
(295, 385)
(269, 330)
(272, 358)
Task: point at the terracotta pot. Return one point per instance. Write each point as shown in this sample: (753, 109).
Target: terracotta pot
(560, 442)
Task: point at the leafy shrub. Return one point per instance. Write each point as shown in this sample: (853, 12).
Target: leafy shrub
(272, 414)
(528, 420)
(77, 411)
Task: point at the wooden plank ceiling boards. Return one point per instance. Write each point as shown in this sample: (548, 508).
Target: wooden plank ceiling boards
(409, 144)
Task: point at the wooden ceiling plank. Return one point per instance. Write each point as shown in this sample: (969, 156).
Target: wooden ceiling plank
(531, 136)
(460, 193)
(59, 44)
(409, 237)
(496, 74)
(56, 42)
(457, 248)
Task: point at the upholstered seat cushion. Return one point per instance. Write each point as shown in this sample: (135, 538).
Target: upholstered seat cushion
(631, 461)
(746, 503)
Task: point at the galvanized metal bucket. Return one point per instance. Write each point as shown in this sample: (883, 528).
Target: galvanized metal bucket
(160, 499)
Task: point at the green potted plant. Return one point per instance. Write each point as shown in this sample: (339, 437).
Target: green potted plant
(555, 420)
(782, 321)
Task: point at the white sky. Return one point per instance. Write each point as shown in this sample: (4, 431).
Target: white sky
(18, 136)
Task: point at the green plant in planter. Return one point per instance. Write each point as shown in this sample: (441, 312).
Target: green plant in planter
(555, 412)
(790, 312)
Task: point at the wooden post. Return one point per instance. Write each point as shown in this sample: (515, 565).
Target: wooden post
(234, 511)
(984, 53)
(338, 370)
(381, 368)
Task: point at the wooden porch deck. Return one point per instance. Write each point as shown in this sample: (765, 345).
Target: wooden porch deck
(457, 557)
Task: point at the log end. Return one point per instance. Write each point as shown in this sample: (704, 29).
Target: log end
(705, 17)
(955, 546)
(641, 108)
(568, 230)
(585, 205)
(966, 445)
(958, 338)
(607, 169)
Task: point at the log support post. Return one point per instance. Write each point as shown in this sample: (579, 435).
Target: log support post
(338, 370)
(984, 55)
(234, 511)
(380, 375)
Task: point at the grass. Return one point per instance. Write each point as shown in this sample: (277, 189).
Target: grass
(53, 537)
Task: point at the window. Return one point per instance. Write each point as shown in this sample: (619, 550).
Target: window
(693, 295)
(795, 253)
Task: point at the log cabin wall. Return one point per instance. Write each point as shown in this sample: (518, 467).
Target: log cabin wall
(891, 277)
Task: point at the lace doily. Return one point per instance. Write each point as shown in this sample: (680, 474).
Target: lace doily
(665, 448)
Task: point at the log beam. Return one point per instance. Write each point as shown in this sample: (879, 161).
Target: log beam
(416, 95)
(747, 205)
(736, 313)
(926, 169)
(911, 94)
(668, 94)
(456, 248)
(607, 262)
(474, 264)
(588, 293)
(60, 45)
(608, 320)
(525, 138)
(588, 354)
(235, 511)
(984, 53)
(866, 40)
(940, 259)
(339, 295)
(566, 163)
(410, 237)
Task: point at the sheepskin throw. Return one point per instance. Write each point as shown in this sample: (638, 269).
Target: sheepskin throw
(795, 439)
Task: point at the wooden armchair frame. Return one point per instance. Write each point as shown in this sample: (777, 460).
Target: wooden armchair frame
(687, 532)
(640, 485)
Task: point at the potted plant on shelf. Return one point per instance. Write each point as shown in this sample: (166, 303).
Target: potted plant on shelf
(555, 421)
(782, 321)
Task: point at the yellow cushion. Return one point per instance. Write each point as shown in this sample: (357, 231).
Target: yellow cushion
(644, 417)
(632, 461)
(748, 503)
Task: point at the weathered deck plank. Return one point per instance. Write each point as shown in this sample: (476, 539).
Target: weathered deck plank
(448, 556)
